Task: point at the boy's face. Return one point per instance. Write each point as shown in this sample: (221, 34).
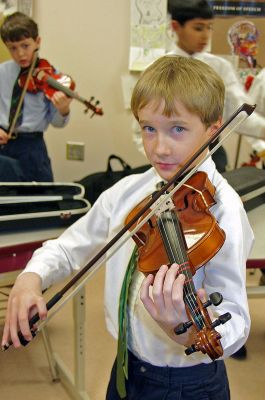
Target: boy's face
(23, 50)
(194, 35)
(170, 141)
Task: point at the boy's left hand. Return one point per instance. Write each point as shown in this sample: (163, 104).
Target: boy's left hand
(61, 102)
(162, 297)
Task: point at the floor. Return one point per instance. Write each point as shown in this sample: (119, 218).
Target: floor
(25, 374)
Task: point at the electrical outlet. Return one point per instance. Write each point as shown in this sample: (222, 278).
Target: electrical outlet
(75, 151)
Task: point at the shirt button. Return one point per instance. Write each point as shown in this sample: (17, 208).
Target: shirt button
(143, 369)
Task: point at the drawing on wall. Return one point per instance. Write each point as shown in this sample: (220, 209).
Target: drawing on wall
(11, 6)
(243, 40)
(148, 32)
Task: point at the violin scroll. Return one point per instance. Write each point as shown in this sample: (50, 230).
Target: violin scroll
(207, 339)
(94, 107)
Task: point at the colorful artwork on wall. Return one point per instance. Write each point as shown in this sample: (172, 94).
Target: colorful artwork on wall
(243, 40)
(148, 32)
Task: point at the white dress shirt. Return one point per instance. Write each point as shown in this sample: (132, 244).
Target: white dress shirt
(257, 95)
(225, 273)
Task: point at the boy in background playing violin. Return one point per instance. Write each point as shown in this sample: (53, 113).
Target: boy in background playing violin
(178, 110)
(20, 35)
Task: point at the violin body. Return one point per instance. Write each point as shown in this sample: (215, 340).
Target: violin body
(45, 79)
(40, 78)
(203, 235)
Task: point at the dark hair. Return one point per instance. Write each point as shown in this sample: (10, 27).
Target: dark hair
(18, 26)
(185, 10)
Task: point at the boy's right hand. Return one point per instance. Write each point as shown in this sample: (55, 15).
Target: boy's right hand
(24, 301)
(3, 137)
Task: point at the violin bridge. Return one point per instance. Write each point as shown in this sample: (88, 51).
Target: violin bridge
(162, 205)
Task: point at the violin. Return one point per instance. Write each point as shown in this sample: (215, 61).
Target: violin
(203, 235)
(183, 231)
(45, 79)
(255, 157)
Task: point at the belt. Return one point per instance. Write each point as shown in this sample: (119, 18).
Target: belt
(26, 135)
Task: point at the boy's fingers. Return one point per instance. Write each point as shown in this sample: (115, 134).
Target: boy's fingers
(158, 293)
(177, 292)
(202, 295)
(170, 279)
(6, 335)
(145, 297)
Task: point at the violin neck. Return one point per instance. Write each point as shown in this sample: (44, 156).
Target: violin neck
(57, 85)
(175, 245)
(174, 242)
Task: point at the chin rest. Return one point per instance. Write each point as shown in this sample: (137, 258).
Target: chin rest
(249, 183)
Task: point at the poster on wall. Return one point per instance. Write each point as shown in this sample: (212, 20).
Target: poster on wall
(10, 6)
(255, 8)
(148, 33)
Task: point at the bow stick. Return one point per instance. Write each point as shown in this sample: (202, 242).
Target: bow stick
(117, 241)
(11, 129)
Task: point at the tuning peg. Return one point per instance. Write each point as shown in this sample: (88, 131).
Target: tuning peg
(221, 320)
(182, 328)
(215, 298)
(190, 350)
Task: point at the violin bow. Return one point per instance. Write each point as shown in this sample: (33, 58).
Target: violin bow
(14, 121)
(118, 240)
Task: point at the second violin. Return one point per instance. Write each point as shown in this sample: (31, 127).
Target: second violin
(44, 78)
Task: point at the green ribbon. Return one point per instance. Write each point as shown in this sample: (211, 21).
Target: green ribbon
(122, 352)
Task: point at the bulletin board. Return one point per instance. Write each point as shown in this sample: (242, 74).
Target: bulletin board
(4, 54)
(9, 7)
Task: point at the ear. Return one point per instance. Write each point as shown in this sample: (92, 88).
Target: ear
(214, 127)
(38, 41)
(175, 25)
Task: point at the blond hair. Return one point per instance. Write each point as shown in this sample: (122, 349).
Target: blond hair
(196, 85)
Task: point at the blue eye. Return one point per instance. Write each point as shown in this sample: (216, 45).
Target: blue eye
(148, 129)
(178, 129)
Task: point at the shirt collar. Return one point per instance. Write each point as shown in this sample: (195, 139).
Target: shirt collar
(180, 52)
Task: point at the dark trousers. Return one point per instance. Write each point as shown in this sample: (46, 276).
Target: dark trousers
(147, 382)
(29, 149)
(10, 170)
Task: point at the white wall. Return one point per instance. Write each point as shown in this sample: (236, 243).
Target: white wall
(89, 40)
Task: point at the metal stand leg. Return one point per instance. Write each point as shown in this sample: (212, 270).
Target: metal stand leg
(76, 385)
(49, 353)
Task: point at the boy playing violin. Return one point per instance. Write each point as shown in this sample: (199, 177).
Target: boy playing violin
(178, 110)
(20, 35)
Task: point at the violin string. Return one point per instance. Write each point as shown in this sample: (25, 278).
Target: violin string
(179, 259)
(189, 284)
(178, 255)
